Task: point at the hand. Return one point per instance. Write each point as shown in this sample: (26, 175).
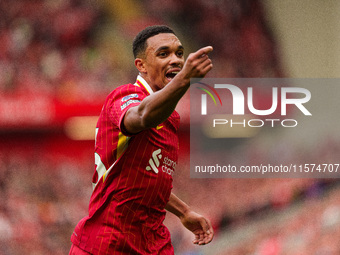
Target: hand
(198, 64)
(200, 226)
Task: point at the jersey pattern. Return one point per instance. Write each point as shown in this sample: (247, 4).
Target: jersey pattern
(132, 181)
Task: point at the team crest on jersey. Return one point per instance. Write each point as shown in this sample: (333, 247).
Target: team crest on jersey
(129, 97)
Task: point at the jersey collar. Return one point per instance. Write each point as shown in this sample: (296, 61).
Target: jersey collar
(141, 82)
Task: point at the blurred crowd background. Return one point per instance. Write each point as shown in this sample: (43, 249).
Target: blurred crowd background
(58, 61)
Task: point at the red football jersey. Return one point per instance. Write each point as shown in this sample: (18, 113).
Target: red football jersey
(132, 181)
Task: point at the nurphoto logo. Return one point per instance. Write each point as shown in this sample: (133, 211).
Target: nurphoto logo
(289, 96)
(263, 127)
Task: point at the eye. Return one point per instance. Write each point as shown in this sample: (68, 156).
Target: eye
(162, 54)
(180, 53)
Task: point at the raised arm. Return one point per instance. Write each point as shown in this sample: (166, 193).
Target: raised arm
(196, 223)
(157, 107)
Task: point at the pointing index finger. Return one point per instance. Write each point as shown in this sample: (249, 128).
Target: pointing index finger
(204, 51)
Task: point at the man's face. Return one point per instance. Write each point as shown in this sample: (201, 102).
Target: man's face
(163, 59)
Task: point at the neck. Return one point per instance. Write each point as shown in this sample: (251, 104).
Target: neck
(149, 82)
(146, 83)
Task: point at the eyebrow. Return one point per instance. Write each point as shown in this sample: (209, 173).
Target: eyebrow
(180, 47)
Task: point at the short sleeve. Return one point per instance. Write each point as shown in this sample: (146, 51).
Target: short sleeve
(122, 99)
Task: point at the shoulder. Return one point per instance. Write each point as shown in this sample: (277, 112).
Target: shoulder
(124, 96)
(125, 92)
(123, 89)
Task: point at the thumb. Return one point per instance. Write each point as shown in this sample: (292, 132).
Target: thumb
(205, 226)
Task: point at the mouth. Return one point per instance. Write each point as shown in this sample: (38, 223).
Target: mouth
(171, 74)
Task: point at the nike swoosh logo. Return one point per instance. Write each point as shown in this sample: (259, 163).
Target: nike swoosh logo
(159, 127)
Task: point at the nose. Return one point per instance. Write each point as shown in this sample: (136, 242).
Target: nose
(175, 60)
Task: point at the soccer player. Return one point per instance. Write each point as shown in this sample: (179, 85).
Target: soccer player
(136, 153)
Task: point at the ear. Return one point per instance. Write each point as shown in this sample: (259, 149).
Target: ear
(140, 64)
